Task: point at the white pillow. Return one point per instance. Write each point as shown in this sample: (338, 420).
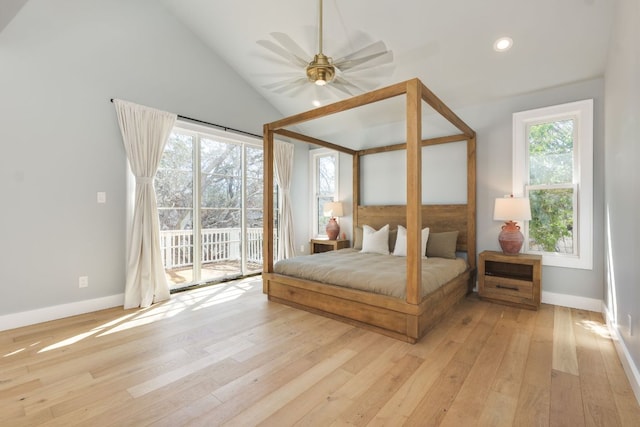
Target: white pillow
(401, 242)
(375, 242)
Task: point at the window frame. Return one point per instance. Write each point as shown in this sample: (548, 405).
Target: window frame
(314, 155)
(582, 113)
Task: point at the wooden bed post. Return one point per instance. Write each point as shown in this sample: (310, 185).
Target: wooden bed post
(471, 206)
(414, 190)
(356, 194)
(267, 215)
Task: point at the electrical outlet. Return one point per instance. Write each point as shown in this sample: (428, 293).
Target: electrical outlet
(630, 322)
(83, 281)
(102, 197)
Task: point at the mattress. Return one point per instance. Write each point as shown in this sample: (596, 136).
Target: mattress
(381, 274)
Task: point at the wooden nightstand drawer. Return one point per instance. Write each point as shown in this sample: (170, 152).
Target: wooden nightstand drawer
(516, 288)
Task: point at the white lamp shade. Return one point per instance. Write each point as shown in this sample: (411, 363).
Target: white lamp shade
(333, 209)
(512, 209)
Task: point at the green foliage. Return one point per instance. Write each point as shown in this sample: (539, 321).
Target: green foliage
(552, 217)
(551, 153)
(551, 162)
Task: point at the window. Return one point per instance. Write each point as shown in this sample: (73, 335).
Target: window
(324, 180)
(553, 166)
(209, 188)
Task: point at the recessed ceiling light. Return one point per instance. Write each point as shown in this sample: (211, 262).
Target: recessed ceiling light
(502, 44)
(316, 103)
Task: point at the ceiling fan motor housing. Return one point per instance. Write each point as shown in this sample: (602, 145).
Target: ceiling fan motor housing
(321, 70)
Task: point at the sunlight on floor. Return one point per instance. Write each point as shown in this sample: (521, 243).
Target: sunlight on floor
(196, 299)
(20, 350)
(596, 328)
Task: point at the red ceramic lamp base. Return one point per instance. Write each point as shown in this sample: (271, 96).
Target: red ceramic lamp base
(510, 238)
(333, 229)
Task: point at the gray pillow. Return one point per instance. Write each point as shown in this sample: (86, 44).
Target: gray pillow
(442, 245)
(357, 239)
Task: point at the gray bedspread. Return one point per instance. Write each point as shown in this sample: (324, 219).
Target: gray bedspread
(382, 274)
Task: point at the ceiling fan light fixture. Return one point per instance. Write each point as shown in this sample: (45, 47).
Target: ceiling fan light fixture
(321, 70)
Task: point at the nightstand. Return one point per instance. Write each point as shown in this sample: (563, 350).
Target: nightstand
(323, 245)
(510, 279)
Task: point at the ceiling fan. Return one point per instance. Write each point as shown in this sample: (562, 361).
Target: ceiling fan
(323, 70)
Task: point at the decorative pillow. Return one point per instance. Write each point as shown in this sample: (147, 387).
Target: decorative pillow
(376, 242)
(442, 245)
(357, 239)
(401, 242)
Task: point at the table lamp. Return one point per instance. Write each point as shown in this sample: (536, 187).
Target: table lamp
(510, 209)
(333, 210)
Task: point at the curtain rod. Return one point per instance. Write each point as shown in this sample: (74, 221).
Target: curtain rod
(225, 128)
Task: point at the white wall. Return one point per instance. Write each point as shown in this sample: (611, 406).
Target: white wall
(61, 62)
(622, 190)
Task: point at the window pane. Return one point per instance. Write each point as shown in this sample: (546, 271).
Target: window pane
(174, 183)
(178, 153)
(255, 161)
(551, 226)
(254, 177)
(551, 152)
(220, 158)
(175, 219)
(220, 218)
(221, 183)
(327, 174)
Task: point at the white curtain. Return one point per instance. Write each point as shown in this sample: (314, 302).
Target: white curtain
(144, 132)
(283, 159)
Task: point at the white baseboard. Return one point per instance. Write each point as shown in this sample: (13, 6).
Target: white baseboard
(623, 353)
(572, 301)
(25, 318)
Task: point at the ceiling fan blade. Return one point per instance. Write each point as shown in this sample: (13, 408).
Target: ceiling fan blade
(283, 53)
(293, 47)
(370, 49)
(371, 72)
(373, 60)
(287, 85)
(361, 84)
(346, 86)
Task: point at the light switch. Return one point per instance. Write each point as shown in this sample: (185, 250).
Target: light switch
(102, 197)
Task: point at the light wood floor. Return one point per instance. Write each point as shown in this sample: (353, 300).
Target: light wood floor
(225, 355)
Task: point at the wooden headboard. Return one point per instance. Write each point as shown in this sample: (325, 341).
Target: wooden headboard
(437, 217)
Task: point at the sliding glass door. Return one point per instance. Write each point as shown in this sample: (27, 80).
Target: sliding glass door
(209, 188)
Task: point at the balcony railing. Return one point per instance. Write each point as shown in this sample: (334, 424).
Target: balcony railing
(218, 245)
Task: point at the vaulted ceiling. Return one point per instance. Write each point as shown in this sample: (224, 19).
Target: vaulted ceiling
(446, 44)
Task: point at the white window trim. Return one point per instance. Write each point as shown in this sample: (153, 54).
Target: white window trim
(582, 111)
(313, 155)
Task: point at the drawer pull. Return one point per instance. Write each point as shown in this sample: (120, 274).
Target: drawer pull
(511, 288)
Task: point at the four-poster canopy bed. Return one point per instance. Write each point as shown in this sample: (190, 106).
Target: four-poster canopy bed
(407, 318)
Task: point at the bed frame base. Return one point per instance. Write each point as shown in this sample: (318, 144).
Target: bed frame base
(385, 315)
